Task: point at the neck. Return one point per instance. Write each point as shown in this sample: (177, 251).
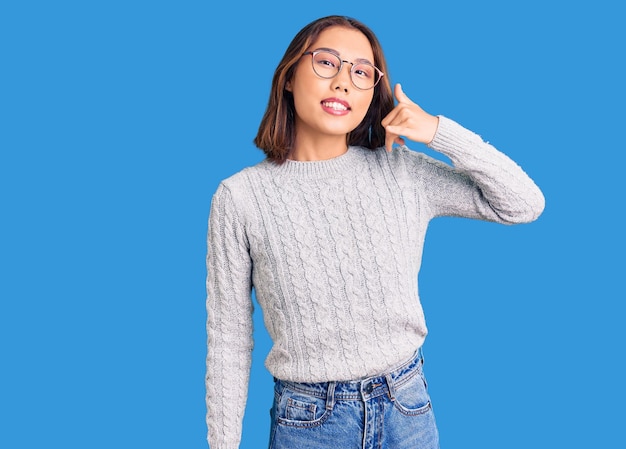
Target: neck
(319, 148)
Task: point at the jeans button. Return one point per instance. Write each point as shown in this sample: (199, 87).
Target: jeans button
(369, 388)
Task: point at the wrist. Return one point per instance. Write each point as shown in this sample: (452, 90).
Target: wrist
(434, 126)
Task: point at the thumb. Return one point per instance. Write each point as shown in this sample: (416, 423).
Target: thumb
(400, 95)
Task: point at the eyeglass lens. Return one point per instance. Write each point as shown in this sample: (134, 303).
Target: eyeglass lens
(327, 65)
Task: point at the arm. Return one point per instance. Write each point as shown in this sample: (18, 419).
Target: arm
(484, 182)
(229, 323)
(500, 190)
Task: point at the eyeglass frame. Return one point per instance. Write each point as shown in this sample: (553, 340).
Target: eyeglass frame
(341, 61)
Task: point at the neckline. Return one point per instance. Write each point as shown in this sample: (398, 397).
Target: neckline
(338, 166)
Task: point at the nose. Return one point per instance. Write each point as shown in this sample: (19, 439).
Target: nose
(342, 80)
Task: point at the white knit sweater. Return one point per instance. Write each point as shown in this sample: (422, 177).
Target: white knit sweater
(333, 249)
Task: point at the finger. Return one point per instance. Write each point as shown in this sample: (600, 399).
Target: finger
(400, 95)
(389, 140)
(389, 117)
(393, 135)
(394, 115)
(397, 131)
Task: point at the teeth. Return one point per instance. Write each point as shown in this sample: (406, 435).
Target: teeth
(334, 105)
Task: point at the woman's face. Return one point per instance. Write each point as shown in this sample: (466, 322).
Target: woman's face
(328, 107)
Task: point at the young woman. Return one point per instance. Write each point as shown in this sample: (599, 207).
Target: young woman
(329, 231)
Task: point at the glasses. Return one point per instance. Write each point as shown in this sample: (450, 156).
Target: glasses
(326, 64)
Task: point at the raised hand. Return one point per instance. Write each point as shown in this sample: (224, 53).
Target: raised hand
(409, 120)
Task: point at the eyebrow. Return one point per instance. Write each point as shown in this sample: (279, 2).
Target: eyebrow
(335, 52)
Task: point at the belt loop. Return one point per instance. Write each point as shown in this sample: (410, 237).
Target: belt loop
(392, 393)
(330, 396)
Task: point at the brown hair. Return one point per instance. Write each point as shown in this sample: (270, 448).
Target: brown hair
(276, 134)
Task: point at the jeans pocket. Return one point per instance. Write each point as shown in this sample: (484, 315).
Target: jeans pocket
(297, 409)
(411, 395)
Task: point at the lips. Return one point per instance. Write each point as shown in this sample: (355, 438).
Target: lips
(335, 106)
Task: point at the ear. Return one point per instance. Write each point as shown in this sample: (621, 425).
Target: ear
(288, 87)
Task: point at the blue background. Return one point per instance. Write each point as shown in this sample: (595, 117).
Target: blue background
(119, 119)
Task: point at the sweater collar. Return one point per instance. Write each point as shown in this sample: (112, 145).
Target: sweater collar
(339, 166)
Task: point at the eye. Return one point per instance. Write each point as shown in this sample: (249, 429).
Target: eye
(364, 71)
(327, 60)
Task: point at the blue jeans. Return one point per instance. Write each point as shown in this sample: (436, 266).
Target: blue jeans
(391, 411)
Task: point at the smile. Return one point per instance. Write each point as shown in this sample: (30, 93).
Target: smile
(335, 105)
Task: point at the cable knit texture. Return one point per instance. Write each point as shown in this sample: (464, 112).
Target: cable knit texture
(333, 249)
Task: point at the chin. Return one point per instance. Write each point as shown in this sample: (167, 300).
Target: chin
(341, 130)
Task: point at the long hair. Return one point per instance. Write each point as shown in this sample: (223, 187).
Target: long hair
(276, 134)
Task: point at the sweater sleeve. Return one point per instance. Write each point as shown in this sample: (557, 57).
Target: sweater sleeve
(484, 183)
(229, 322)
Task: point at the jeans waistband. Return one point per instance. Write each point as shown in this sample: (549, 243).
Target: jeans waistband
(362, 389)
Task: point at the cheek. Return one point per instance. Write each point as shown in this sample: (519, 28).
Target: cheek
(364, 104)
